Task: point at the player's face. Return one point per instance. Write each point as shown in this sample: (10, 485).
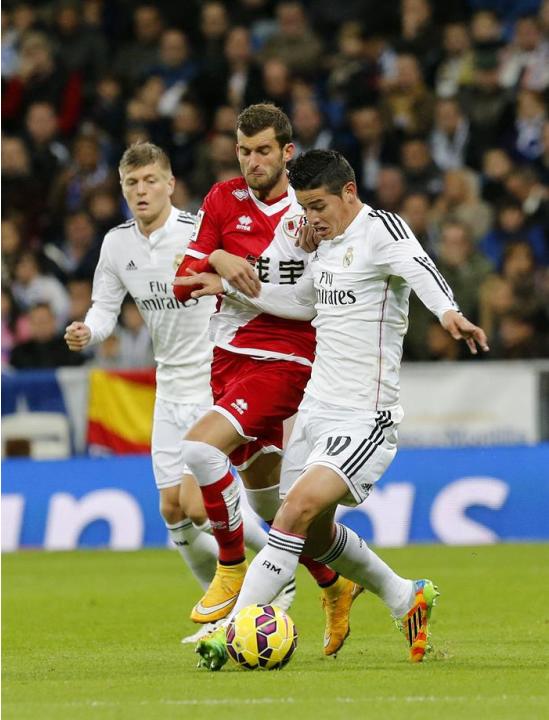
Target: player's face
(263, 162)
(147, 191)
(328, 214)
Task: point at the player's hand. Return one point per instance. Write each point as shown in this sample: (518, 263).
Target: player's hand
(209, 283)
(77, 336)
(237, 271)
(462, 329)
(307, 238)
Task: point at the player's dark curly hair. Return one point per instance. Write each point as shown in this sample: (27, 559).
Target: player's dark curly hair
(261, 116)
(321, 168)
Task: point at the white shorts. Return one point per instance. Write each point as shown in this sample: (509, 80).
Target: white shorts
(170, 423)
(358, 445)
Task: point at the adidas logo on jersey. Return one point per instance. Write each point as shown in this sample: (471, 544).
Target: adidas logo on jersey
(240, 194)
(244, 223)
(240, 406)
(131, 265)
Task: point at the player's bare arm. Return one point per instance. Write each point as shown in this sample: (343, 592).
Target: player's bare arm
(237, 271)
(208, 283)
(462, 329)
(77, 336)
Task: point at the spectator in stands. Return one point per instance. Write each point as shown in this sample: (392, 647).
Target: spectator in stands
(460, 200)
(11, 247)
(391, 187)
(48, 154)
(41, 77)
(31, 287)
(216, 158)
(294, 41)
(108, 107)
(456, 67)
(463, 267)
(421, 173)
(526, 60)
(214, 26)
(519, 337)
(512, 227)
(450, 135)
(176, 67)
(80, 295)
(188, 130)
(527, 135)
(496, 167)
(135, 348)
(83, 49)
(542, 164)
(88, 171)
(372, 147)
(486, 104)
(137, 56)
(408, 104)
(524, 185)
(18, 181)
(439, 345)
(15, 326)
(276, 84)
(46, 347)
(310, 130)
(416, 210)
(78, 251)
(418, 34)
(104, 208)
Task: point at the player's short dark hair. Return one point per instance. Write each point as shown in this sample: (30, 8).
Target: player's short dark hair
(144, 153)
(261, 116)
(321, 168)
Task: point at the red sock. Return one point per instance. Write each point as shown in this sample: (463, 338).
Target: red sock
(221, 500)
(323, 574)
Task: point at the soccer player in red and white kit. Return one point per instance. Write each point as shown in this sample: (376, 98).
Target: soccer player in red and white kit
(246, 232)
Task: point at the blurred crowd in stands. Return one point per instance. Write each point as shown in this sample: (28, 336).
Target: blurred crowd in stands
(441, 108)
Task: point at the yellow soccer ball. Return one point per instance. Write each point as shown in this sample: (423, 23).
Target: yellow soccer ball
(261, 636)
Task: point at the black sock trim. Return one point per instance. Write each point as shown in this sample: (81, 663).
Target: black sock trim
(325, 585)
(232, 562)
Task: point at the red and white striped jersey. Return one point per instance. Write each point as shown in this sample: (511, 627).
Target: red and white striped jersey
(233, 219)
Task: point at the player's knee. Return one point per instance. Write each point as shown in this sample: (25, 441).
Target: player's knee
(170, 509)
(296, 513)
(196, 454)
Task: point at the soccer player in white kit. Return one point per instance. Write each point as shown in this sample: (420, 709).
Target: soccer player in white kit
(356, 289)
(140, 257)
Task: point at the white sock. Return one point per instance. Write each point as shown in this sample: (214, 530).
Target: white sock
(265, 501)
(271, 569)
(350, 555)
(197, 548)
(255, 536)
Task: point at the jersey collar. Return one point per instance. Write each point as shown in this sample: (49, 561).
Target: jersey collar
(277, 207)
(168, 227)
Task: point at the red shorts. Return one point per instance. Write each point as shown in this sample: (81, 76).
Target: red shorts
(256, 396)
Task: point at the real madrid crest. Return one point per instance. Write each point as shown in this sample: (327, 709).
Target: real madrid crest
(348, 257)
(178, 259)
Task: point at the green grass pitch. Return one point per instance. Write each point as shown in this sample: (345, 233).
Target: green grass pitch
(96, 635)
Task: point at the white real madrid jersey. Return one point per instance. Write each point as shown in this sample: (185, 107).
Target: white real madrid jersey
(356, 289)
(144, 267)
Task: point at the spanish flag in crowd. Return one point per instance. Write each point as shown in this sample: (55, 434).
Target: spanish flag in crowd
(121, 408)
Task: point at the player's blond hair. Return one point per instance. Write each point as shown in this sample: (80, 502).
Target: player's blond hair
(144, 153)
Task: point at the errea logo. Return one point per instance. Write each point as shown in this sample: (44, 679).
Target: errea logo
(240, 406)
(244, 223)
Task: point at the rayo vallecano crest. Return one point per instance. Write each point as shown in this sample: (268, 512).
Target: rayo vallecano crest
(241, 194)
(291, 225)
(348, 257)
